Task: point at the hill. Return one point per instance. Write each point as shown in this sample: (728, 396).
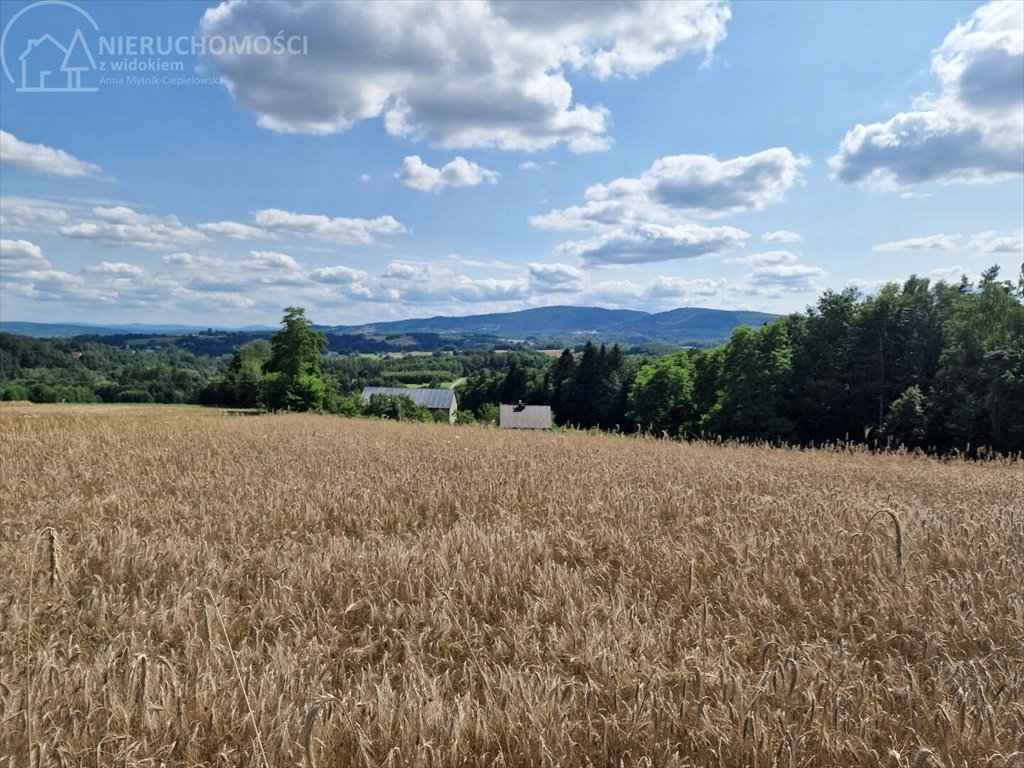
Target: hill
(691, 325)
(546, 326)
(60, 330)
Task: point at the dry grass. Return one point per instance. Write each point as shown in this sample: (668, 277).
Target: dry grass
(349, 593)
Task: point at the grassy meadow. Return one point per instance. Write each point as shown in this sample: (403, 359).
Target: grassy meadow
(183, 587)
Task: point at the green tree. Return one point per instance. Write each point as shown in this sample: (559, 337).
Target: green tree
(295, 379)
(488, 413)
(756, 377)
(907, 420)
(661, 398)
(559, 378)
(243, 380)
(395, 408)
(979, 369)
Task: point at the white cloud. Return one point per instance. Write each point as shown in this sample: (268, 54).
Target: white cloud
(341, 230)
(972, 132)
(768, 257)
(30, 214)
(437, 283)
(271, 260)
(22, 254)
(528, 165)
(781, 236)
(699, 185)
(866, 285)
(555, 278)
(654, 242)
(643, 219)
(686, 290)
(777, 279)
(338, 274)
(947, 273)
(364, 177)
(489, 263)
(929, 243)
(915, 195)
(458, 74)
(121, 226)
(460, 172)
(993, 242)
(39, 158)
(117, 268)
(233, 230)
(183, 259)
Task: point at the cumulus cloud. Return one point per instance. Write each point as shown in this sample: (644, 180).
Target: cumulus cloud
(121, 226)
(685, 290)
(698, 185)
(777, 279)
(490, 263)
(340, 230)
(233, 230)
(555, 278)
(460, 172)
(781, 236)
(117, 268)
(47, 282)
(39, 158)
(337, 275)
(768, 257)
(971, 132)
(22, 254)
(993, 242)
(421, 283)
(26, 273)
(459, 74)
(271, 260)
(644, 219)
(30, 214)
(184, 259)
(947, 273)
(929, 243)
(647, 243)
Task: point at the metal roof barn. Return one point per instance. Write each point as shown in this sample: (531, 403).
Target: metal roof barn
(521, 416)
(434, 399)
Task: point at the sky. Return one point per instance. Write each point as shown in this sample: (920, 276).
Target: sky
(210, 164)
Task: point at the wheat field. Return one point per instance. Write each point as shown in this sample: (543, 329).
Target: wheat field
(182, 587)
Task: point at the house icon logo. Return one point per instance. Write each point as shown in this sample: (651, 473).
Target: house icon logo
(45, 63)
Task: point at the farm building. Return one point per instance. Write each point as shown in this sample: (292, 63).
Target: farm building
(521, 416)
(432, 399)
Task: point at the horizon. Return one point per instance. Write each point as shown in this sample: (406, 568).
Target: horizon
(258, 326)
(499, 158)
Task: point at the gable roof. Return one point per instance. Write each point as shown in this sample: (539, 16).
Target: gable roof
(525, 416)
(436, 399)
(34, 44)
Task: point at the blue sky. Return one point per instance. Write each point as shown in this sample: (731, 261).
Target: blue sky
(395, 160)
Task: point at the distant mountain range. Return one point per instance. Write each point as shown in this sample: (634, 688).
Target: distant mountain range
(691, 325)
(571, 325)
(55, 330)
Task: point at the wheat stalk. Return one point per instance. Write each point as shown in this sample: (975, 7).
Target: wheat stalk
(238, 676)
(323, 704)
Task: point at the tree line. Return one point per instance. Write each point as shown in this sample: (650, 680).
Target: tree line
(925, 365)
(936, 366)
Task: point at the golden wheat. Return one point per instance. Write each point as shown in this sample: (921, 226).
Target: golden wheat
(289, 590)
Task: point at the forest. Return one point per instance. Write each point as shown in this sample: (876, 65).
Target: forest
(931, 365)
